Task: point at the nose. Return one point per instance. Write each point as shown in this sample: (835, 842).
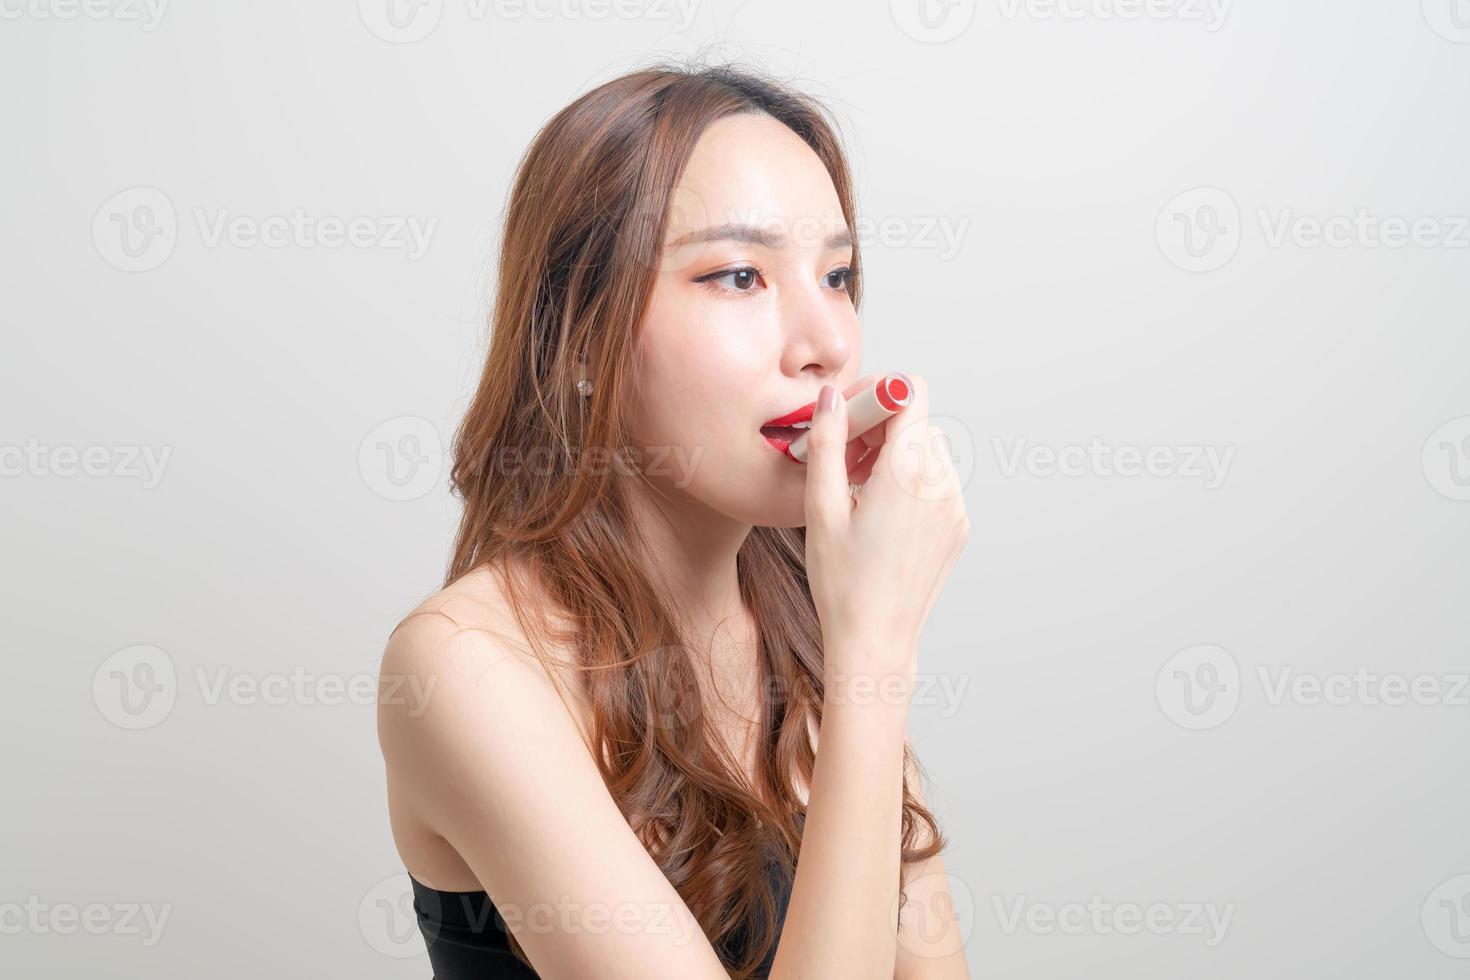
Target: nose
(820, 332)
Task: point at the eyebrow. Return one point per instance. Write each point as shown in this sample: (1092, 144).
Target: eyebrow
(752, 235)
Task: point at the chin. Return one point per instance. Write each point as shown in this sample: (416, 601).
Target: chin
(773, 507)
(767, 491)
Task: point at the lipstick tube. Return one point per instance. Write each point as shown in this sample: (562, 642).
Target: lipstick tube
(867, 408)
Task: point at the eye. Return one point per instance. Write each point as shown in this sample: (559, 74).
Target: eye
(841, 278)
(742, 279)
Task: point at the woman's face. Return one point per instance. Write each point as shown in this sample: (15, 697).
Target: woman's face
(750, 316)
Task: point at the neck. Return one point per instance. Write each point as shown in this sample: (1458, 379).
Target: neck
(691, 552)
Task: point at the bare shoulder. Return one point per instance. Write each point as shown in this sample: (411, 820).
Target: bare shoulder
(492, 786)
(475, 602)
(454, 663)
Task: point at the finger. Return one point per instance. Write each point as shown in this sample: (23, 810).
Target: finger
(873, 439)
(856, 449)
(861, 469)
(862, 450)
(828, 502)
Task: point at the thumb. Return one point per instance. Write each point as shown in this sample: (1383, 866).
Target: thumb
(828, 502)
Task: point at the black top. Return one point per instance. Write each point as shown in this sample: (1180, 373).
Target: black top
(467, 937)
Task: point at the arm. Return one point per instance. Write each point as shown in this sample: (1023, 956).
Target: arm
(840, 917)
(930, 943)
(495, 765)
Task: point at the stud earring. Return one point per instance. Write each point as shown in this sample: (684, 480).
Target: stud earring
(584, 387)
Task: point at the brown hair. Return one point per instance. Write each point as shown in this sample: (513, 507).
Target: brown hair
(584, 231)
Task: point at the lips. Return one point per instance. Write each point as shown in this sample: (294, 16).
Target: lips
(781, 432)
(802, 414)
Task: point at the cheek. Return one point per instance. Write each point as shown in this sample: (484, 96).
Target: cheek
(698, 373)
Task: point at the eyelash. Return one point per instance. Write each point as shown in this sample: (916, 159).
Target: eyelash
(849, 278)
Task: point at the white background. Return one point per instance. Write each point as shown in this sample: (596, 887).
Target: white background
(1082, 297)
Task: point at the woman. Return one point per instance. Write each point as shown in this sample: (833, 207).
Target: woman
(669, 659)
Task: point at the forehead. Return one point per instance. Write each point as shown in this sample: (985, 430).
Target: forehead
(752, 169)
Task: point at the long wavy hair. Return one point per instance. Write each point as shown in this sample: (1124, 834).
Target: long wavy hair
(584, 232)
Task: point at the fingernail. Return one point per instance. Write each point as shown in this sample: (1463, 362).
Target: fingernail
(826, 399)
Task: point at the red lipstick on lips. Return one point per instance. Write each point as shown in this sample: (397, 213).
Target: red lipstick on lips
(871, 406)
(782, 432)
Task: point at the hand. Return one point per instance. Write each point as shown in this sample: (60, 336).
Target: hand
(876, 563)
